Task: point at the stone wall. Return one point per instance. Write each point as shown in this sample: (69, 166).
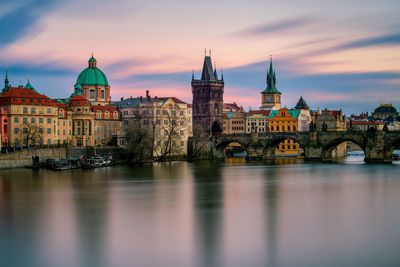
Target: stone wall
(20, 159)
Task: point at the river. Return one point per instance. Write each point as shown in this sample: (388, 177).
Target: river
(206, 213)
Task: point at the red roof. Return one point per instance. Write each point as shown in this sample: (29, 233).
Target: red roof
(103, 108)
(190, 105)
(176, 100)
(232, 106)
(78, 100)
(264, 112)
(20, 95)
(366, 122)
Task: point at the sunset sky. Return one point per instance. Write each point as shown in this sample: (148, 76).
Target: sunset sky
(336, 54)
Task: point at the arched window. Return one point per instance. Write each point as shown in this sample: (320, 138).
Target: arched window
(98, 115)
(115, 115)
(106, 115)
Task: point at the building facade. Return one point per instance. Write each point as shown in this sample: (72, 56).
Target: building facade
(285, 120)
(385, 111)
(234, 122)
(168, 120)
(257, 121)
(207, 103)
(34, 119)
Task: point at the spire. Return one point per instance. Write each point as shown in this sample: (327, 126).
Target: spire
(29, 85)
(215, 71)
(222, 75)
(271, 79)
(192, 74)
(207, 74)
(6, 82)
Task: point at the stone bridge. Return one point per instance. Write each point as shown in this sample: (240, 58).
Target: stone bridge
(377, 146)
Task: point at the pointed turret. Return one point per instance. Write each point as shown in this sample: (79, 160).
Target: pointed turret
(6, 81)
(271, 80)
(222, 75)
(301, 104)
(207, 74)
(215, 72)
(29, 86)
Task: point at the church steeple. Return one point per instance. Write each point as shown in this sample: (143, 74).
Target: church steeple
(6, 81)
(271, 80)
(92, 62)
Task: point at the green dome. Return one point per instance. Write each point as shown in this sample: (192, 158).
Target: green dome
(92, 59)
(92, 76)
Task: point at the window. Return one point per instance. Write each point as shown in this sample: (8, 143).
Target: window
(181, 113)
(173, 113)
(102, 94)
(158, 132)
(158, 112)
(158, 122)
(115, 115)
(106, 115)
(58, 132)
(91, 93)
(49, 141)
(40, 130)
(16, 119)
(165, 122)
(40, 120)
(165, 132)
(182, 143)
(165, 112)
(41, 141)
(49, 111)
(33, 120)
(158, 143)
(33, 110)
(16, 130)
(58, 123)
(48, 120)
(64, 123)
(25, 110)
(49, 130)
(25, 120)
(181, 132)
(25, 130)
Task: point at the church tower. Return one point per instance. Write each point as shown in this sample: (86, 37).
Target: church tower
(271, 97)
(207, 101)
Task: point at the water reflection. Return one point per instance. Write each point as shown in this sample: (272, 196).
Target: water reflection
(221, 213)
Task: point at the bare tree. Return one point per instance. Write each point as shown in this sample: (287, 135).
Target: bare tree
(170, 131)
(31, 133)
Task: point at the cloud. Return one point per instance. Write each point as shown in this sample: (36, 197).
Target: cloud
(276, 27)
(390, 39)
(22, 20)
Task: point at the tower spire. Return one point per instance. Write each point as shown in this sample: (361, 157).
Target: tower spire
(6, 82)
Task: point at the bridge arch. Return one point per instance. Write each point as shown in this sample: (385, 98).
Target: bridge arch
(223, 145)
(271, 145)
(393, 145)
(328, 149)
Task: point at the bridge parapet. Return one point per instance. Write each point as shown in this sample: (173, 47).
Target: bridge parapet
(377, 146)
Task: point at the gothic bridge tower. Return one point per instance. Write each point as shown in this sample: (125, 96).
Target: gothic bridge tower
(207, 101)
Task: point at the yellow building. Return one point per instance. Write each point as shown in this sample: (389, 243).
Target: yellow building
(285, 120)
(35, 119)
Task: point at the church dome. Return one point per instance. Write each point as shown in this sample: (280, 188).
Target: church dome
(92, 75)
(388, 108)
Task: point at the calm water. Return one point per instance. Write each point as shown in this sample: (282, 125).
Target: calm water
(203, 214)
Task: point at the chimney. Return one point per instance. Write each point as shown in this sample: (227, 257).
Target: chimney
(20, 87)
(155, 97)
(140, 98)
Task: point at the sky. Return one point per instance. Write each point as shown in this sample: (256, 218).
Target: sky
(342, 54)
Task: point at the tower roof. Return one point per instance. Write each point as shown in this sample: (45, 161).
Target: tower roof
(207, 74)
(301, 104)
(271, 81)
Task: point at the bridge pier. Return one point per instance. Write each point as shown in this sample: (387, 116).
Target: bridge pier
(311, 152)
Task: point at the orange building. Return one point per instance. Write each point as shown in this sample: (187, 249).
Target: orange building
(285, 120)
